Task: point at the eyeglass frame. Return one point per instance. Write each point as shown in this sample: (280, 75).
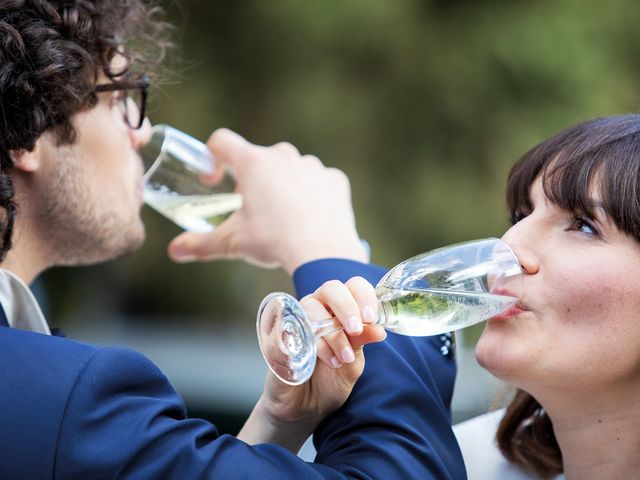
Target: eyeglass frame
(141, 84)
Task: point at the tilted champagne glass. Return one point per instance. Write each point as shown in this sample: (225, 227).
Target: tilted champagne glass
(174, 165)
(436, 292)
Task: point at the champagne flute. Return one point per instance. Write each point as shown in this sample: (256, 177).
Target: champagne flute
(174, 164)
(433, 293)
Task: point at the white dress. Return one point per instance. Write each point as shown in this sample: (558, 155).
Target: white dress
(482, 457)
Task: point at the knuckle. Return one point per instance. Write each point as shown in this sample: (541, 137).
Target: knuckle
(309, 302)
(337, 341)
(254, 155)
(336, 172)
(355, 371)
(217, 136)
(312, 160)
(226, 244)
(332, 285)
(200, 248)
(357, 282)
(331, 339)
(340, 177)
(324, 351)
(286, 148)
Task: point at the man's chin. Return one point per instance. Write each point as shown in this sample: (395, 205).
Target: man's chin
(109, 252)
(134, 244)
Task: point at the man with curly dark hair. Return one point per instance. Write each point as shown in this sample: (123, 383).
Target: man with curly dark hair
(52, 56)
(70, 194)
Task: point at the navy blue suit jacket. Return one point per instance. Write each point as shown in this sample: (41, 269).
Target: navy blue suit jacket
(74, 411)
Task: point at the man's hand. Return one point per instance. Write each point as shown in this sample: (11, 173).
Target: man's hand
(294, 209)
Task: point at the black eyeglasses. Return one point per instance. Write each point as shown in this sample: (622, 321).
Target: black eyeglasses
(133, 100)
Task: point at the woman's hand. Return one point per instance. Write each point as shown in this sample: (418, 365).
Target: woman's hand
(286, 414)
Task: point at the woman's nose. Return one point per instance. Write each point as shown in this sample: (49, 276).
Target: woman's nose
(141, 136)
(523, 243)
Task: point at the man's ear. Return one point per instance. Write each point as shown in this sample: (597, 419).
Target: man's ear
(26, 161)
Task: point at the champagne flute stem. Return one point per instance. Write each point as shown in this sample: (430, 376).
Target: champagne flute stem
(326, 326)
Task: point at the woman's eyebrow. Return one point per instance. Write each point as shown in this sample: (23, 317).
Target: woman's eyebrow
(597, 205)
(598, 210)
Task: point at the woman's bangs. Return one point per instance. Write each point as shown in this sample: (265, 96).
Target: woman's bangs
(573, 183)
(594, 161)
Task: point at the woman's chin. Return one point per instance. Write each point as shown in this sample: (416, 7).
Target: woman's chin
(492, 355)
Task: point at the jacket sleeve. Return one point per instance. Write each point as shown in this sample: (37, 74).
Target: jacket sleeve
(397, 420)
(123, 419)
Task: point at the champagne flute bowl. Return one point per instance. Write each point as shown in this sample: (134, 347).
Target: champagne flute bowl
(436, 292)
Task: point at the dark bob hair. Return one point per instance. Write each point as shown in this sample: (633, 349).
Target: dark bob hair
(603, 156)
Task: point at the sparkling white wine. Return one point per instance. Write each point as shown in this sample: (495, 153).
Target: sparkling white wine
(195, 213)
(432, 312)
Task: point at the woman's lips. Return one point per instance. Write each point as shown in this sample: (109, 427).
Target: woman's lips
(512, 311)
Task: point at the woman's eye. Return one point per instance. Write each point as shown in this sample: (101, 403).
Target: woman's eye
(583, 225)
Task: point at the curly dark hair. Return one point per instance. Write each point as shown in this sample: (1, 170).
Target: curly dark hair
(51, 54)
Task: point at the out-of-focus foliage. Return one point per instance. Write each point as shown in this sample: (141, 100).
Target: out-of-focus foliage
(424, 104)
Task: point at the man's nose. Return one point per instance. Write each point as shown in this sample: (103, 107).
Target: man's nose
(141, 136)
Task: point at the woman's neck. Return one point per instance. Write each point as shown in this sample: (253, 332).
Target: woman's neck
(599, 435)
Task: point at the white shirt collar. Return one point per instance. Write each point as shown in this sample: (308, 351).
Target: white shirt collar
(20, 306)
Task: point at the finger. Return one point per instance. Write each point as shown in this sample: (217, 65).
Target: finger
(229, 147)
(318, 313)
(342, 177)
(326, 355)
(338, 298)
(216, 175)
(365, 296)
(370, 334)
(312, 160)
(193, 246)
(339, 344)
(286, 149)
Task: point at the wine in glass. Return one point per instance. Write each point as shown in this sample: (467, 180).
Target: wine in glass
(174, 164)
(436, 292)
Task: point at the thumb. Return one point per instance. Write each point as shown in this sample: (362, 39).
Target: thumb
(192, 246)
(370, 334)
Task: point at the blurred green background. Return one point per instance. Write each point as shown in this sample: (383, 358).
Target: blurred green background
(424, 104)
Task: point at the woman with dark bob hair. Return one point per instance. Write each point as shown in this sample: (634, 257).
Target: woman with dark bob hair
(572, 348)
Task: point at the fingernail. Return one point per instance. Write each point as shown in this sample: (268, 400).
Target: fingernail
(367, 314)
(180, 254)
(335, 363)
(354, 325)
(183, 258)
(347, 355)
